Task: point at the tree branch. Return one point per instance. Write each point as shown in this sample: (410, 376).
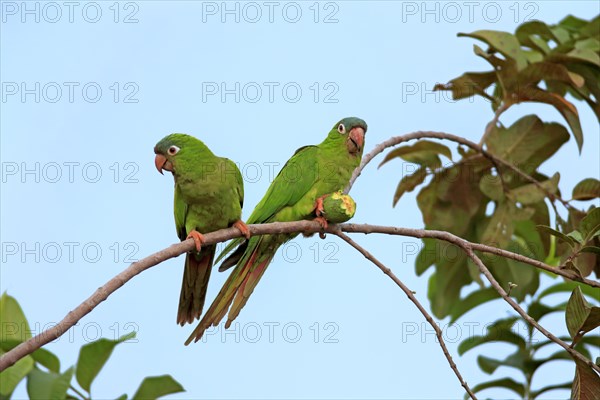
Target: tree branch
(451, 238)
(411, 297)
(102, 293)
(396, 140)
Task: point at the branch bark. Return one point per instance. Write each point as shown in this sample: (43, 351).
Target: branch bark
(102, 293)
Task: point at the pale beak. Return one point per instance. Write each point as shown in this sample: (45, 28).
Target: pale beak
(356, 139)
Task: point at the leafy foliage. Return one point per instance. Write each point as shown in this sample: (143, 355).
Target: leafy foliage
(508, 202)
(42, 368)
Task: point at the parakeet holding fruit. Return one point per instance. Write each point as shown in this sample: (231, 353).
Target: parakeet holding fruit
(295, 194)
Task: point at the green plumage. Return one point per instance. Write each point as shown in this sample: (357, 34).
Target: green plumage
(313, 171)
(209, 193)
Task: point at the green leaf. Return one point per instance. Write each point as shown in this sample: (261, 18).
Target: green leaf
(506, 383)
(444, 286)
(409, 183)
(538, 310)
(536, 393)
(576, 236)
(503, 42)
(48, 385)
(491, 186)
(557, 234)
(531, 193)
(535, 34)
(469, 84)
(500, 227)
(586, 384)
(572, 23)
(564, 107)
(529, 240)
(495, 335)
(587, 189)
(517, 360)
(10, 377)
(590, 249)
(580, 316)
(47, 359)
(124, 397)
(92, 358)
(569, 286)
(584, 262)
(590, 224)
(473, 300)
(157, 386)
(549, 71)
(424, 153)
(427, 256)
(527, 143)
(585, 55)
(589, 44)
(13, 324)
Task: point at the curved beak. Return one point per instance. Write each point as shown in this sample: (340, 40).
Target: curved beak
(162, 163)
(356, 139)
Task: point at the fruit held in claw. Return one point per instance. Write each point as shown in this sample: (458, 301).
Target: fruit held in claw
(338, 207)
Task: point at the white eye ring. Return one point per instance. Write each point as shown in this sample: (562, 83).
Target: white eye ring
(341, 128)
(173, 150)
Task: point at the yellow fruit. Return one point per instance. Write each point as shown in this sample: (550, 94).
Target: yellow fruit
(338, 207)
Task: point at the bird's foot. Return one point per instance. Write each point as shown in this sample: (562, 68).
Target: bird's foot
(198, 239)
(243, 228)
(319, 206)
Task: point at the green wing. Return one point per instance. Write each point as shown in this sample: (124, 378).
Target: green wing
(294, 180)
(239, 180)
(180, 210)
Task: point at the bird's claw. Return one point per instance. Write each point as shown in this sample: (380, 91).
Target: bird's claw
(319, 205)
(323, 222)
(243, 228)
(198, 239)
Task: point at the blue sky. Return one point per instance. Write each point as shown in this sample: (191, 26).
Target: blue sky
(89, 88)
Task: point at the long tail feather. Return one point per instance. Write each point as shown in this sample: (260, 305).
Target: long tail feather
(245, 275)
(195, 283)
(246, 289)
(234, 258)
(229, 248)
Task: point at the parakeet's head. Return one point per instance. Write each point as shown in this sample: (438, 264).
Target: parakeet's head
(351, 132)
(177, 149)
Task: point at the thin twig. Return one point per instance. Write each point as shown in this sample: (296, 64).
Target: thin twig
(486, 272)
(492, 124)
(102, 293)
(411, 297)
(396, 140)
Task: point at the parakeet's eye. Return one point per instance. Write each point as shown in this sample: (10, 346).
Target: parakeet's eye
(341, 128)
(173, 150)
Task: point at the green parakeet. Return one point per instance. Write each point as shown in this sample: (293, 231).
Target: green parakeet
(209, 193)
(295, 194)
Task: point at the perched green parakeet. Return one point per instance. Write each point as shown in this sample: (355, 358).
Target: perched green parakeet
(296, 194)
(209, 193)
